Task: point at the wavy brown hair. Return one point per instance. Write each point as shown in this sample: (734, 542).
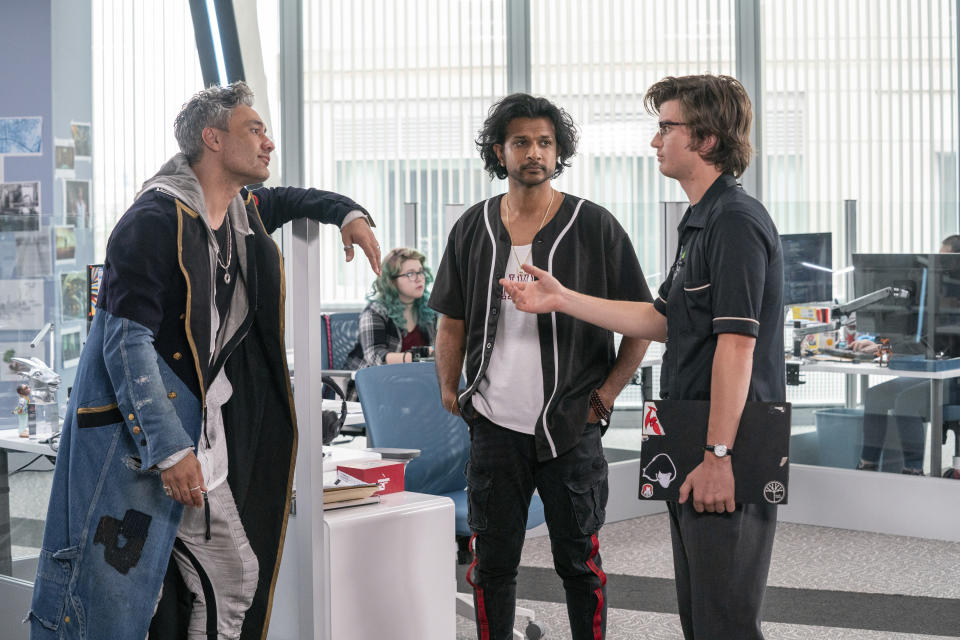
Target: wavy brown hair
(711, 106)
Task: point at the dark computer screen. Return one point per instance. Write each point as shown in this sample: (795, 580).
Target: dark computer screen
(928, 321)
(803, 282)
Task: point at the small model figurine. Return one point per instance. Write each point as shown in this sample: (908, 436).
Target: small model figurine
(22, 410)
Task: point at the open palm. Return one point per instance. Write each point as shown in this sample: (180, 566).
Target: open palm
(543, 295)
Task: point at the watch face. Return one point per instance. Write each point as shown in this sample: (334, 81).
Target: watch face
(720, 450)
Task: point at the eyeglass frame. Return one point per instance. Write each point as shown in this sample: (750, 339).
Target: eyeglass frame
(668, 123)
(412, 276)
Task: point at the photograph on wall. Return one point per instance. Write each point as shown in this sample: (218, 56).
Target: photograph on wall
(32, 258)
(81, 139)
(10, 349)
(65, 241)
(76, 198)
(21, 304)
(20, 206)
(94, 276)
(70, 346)
(73, 295)
(21, 136)
(63, 151)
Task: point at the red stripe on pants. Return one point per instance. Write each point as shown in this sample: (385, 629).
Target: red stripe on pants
(598, 614)
(482, 621)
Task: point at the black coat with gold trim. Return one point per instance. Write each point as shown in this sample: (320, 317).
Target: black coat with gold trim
(157, 274)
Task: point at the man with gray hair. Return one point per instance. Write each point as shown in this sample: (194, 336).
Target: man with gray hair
(178, 447)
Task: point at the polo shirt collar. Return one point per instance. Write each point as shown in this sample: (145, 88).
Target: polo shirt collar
(696, 216)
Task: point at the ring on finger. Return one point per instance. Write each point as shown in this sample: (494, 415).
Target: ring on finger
(196, 488)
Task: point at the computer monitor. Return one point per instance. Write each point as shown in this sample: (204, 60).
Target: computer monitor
(807, 268)
(927, 322)
(94, 275)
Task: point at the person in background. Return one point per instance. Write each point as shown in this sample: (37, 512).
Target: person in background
(397, 325)
(909, 401)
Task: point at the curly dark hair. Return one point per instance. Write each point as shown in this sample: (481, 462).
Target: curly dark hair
(522, 105)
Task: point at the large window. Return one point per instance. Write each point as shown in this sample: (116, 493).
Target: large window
(145, 66)
(394, 94)
(598, 64)
(860, 103)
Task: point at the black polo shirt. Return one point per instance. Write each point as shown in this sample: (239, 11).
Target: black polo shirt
(727, 277)
(587, 250)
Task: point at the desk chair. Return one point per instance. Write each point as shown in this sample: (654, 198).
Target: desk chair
(339, 333)
(402, 409)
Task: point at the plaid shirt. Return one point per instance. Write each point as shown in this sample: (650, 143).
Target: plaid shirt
(378, 336)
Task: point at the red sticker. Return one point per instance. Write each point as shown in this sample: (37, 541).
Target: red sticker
(651, 425)
(646, 490)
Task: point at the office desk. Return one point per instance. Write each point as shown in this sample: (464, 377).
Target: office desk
(865, 369)
(10, 440)
(392, 569)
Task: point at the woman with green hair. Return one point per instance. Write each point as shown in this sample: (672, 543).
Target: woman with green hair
(397, 325)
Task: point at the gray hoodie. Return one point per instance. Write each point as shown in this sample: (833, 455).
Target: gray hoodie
(176, 178)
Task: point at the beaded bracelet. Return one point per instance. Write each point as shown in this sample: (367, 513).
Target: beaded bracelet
(597, 404)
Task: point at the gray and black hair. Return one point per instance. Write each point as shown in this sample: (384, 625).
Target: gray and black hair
(211, 107)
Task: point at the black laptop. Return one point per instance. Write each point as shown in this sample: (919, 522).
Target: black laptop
(675, 431)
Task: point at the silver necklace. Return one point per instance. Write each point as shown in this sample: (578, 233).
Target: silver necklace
(226, 267)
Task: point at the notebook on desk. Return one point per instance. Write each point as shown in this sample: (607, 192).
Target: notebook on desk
(675, 431)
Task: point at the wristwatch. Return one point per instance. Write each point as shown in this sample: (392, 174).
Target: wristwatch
(719, 450)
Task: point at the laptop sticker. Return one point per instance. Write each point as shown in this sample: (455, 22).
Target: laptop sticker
(651, 425)
(661, 470)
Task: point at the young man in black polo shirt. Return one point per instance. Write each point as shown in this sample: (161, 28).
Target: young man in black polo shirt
(537, 386)
(720, 311)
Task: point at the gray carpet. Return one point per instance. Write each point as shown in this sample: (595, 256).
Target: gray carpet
(824, 584)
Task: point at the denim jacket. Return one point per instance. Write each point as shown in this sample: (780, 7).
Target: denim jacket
(139, 397)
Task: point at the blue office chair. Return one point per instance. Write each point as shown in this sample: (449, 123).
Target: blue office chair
(339, 333)
(402, 409)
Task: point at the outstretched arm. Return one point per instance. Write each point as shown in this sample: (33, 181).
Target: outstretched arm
(546, 294)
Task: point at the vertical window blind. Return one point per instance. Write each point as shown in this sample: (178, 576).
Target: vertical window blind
(394, 94)
(145, 66)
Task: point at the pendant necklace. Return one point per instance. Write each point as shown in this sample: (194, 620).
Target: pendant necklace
(226, 267)
(520, 263)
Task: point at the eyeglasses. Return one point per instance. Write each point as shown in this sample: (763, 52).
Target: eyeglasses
(411, 275)
(663, 127)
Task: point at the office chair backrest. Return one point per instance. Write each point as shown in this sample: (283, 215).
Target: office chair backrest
(339, 332)
(402, 408)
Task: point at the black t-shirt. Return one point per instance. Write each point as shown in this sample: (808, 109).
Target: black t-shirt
(587, 250)
(727, 278)
(224, 290)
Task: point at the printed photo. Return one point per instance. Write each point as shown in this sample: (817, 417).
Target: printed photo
(81, 138)
(9, 350)
(19, 206)
(63, 151)
(65, 241)
(21, 304)
(32, 258)
(73, 295)
(76, 198)
(21, 136)
(70, 346)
